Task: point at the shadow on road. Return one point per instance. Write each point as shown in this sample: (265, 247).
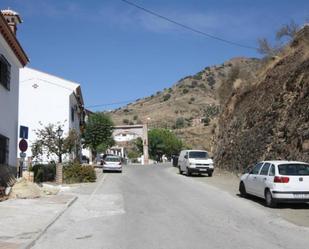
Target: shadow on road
(279, 205)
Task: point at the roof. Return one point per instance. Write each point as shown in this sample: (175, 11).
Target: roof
(12, 41)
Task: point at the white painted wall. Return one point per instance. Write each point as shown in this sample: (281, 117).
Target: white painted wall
(45, 99)
(9, 102)
(125, 137)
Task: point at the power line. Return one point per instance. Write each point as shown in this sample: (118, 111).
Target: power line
(109, 104)
(186, 26)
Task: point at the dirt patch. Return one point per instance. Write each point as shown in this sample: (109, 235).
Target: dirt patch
(23, 189)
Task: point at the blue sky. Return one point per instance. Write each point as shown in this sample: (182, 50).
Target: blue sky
(119, 53)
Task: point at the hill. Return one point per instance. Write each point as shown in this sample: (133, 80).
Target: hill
(190, 107)
(270, 119)
(243, 110)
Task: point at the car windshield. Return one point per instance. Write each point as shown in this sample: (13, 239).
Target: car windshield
(198, 154)
(295, 169)
(112, 159)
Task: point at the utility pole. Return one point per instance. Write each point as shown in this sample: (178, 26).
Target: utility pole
(145, 143)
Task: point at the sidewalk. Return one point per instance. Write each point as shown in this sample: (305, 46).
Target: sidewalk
(23, 221)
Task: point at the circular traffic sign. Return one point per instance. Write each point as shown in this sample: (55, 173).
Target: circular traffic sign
(23, 145)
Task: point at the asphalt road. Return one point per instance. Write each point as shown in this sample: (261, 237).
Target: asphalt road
(152, 207)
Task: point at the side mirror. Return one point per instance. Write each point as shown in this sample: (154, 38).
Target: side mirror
(186, 156)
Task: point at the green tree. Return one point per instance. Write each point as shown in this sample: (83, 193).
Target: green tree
(98, 132)
(51, 145)
(163, 142)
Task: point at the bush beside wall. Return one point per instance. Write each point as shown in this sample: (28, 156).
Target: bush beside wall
(76, 173)
(44, 172)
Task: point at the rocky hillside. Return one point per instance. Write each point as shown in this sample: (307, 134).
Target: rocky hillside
(270, 118)
(191, 106)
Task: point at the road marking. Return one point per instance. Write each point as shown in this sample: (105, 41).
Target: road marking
(96, 189)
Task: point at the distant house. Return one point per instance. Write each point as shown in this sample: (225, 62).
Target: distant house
(47, 99)
(12, 58)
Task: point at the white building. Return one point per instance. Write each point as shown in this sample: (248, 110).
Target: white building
(47, 99)
(12, 58)
(125, 136)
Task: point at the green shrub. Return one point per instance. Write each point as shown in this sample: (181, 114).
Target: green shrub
(198, 76)
(133, 154)
(184, 91)
(166, 97)
(194, 84)
(180, 123)
(211, 81)
(211, 111)
(44, 172)
(75, 173)
(125, 121)
(202, 86)
(206, 121)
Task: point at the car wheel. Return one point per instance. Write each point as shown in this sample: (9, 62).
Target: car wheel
(188, 172)
(242, 189)
(270, 202)
(210, 174)
(180, 171)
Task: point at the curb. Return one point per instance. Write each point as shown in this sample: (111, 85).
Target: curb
(54, 219)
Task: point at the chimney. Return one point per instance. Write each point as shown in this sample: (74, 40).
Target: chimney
(12, 18)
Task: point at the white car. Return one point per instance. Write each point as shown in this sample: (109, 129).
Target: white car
(277, 181)
(112, 163)
(195, 161)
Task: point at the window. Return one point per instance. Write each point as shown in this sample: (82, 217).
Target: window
(256, 168)
(5, 72)
(272, 171)
(72, 114)
(4, 150)
(265, 169)
(198, 154)
(294, 169)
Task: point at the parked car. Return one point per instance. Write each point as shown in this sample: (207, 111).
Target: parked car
(195, 161)
(112, 163)
(277, 181)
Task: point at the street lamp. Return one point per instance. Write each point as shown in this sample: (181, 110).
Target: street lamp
(59, 134)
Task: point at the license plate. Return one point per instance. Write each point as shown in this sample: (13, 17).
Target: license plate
(203, 169)
(301, 196)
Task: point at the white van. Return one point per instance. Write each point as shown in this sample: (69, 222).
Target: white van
(195, 161)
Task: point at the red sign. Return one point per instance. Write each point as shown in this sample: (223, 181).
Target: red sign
(23, 145)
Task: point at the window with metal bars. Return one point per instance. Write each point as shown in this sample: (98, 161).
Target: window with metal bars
(5, 72)
(4, 150)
